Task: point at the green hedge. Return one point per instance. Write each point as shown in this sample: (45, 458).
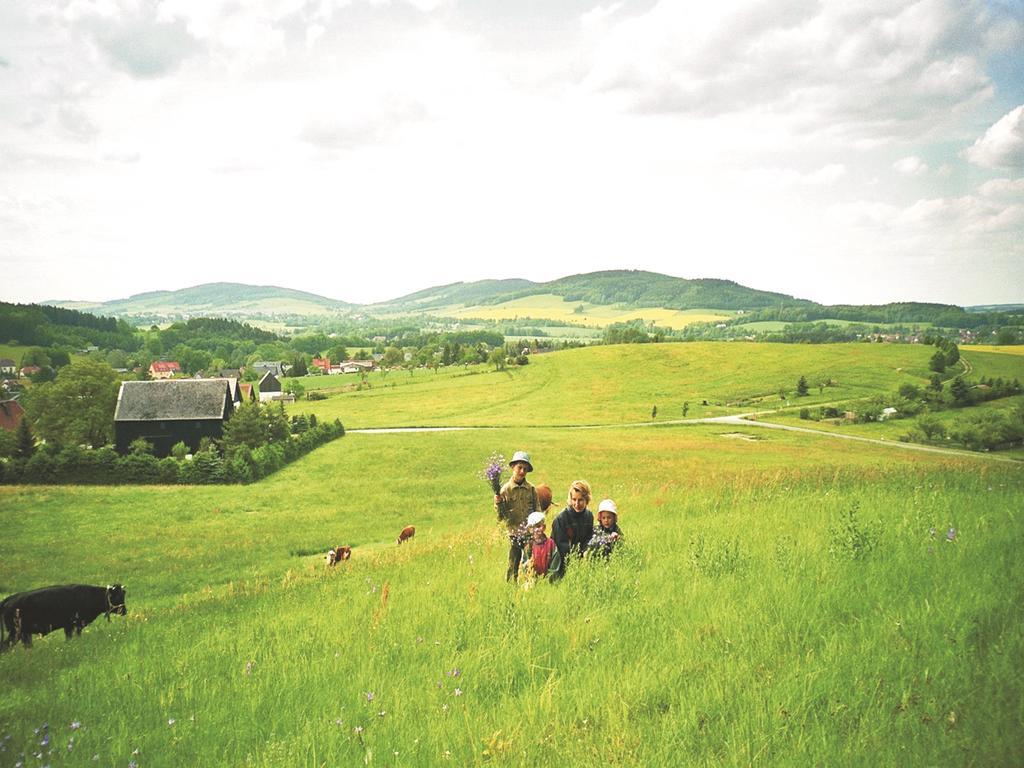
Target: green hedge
(103, 466)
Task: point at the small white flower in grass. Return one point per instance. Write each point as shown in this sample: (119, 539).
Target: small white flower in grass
(338, 722)
(135, 751)
(444, 707)
(75, 725)
(171, 721)
(382, 713)
(358, 729)
(457, 692)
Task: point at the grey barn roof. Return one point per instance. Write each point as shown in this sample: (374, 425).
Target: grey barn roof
(170, 400)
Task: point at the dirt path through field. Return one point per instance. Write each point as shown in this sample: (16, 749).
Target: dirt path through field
(737, 420)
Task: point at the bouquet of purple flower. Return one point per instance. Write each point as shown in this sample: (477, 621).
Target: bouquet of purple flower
(602, 543)
(492, 471)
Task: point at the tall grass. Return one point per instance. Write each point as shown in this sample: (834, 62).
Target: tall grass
(733, 628)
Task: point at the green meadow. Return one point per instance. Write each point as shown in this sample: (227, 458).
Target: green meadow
(621, 384)
(780, 599)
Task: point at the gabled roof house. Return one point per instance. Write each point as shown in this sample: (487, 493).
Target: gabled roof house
(168, 412)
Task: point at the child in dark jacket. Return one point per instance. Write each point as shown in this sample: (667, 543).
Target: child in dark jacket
(607, 533)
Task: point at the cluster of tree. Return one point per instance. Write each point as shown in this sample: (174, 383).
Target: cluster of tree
(983, 431)
(905, 313)
(634, 332)
(45, 326)
(262, 441)
(945, 356)
(77, 407)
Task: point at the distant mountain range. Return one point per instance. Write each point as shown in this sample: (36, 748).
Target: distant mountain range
(623, 288)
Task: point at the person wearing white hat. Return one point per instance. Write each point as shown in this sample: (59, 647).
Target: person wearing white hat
(607, 532)
(541, 553)
(516, 499)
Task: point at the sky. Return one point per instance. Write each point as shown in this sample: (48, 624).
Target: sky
(844, 151)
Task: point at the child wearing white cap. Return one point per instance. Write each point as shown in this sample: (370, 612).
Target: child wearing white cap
(541, 553)
(607, 532)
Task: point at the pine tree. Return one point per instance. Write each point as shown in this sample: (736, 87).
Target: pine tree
(26, 440)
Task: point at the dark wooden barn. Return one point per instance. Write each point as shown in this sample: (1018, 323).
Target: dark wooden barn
(167, 412)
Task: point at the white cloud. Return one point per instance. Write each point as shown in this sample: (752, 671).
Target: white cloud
(1002, 146)
(137, 37)
(911, 166)
(864, 70)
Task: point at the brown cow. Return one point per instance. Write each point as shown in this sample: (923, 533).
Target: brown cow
(338, 553)
(407, 533)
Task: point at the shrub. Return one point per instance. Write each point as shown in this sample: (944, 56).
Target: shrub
(138, 468)
(850, 537)
(205, 468)
(316, 394)
(140, 446)
(179, 450)
(169, 471)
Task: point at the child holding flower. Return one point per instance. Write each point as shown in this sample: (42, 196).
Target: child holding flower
(607, 533)
(514, 502)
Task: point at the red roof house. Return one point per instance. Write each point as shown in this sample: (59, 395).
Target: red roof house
(11, 414)
(164, 369)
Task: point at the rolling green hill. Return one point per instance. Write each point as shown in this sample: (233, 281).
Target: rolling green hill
(216, 299)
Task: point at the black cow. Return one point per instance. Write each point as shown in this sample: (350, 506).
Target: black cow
(68, 606)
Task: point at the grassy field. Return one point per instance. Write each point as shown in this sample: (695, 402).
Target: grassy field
(552, 307)
(781, 599)
(621, 384)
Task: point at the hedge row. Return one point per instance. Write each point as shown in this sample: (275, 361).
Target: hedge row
(104, 466)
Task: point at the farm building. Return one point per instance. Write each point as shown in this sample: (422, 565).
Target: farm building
(269, 387)
(264, 366)
(233, 386)
(168, 412)
(7, 366)
(247, 392)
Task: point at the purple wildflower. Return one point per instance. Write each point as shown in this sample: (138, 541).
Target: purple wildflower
(455, 672)
(45, 741)
(133, 764)
(951, 534)
(369, 696)
(492, 471)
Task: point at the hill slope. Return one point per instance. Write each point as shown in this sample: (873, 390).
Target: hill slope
(215, 298)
